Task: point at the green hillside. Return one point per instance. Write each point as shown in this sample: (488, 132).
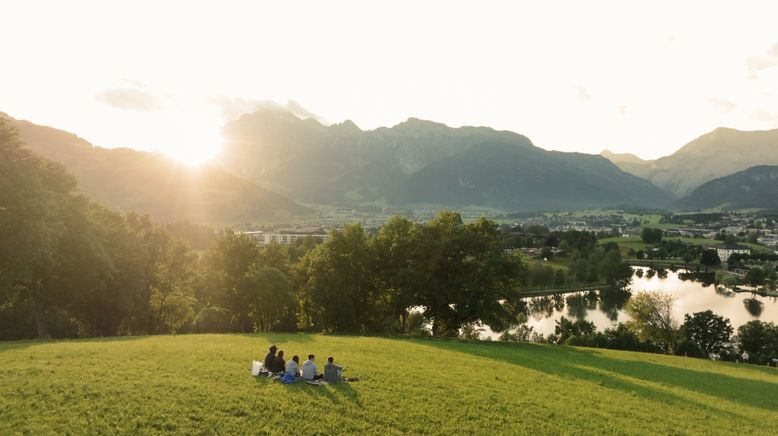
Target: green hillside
(131, 180)
(756, 187)
(502, 175)
(201, 384)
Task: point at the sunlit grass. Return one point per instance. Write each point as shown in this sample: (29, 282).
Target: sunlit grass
(201, 384)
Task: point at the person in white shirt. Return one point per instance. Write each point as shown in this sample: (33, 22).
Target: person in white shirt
(293, 366)
(309, 369)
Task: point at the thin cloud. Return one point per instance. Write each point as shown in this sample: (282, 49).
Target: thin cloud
(763, 115)
(622, 109)
(582, 93)
(234, 108)
(756, 64)
(130, 99)
(301, 112)
(724, 105)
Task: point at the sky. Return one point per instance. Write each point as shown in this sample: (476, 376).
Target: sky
(637, 77)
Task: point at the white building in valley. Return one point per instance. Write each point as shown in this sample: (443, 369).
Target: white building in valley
(726, 250)
(287, 236)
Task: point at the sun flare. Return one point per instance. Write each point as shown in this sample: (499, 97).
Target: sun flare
(196, 141)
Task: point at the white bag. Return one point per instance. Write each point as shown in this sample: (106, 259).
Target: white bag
(255, 367)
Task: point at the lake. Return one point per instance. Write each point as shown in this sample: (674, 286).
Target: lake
(605, 308)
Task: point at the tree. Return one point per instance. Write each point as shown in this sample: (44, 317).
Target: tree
(471, 332)
(652, 318)
(172, 295)
(520, 333)
(566, 329)
(755, 277)
(650, 235)
(613, 271)
(771, 279)
(708, 330)
(338, 292)
(465, 275)
(559, 278)
(760, 340)
(34, 195)
(710, 258)
(272, 298)
(229, 276)
(396, 249)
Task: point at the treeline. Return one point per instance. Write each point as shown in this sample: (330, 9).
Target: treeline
(652, 328)
(588, 262)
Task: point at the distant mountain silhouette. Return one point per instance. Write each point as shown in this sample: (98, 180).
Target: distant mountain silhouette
(423, 162)
(716, 154)
(756, 187)
(155, 184)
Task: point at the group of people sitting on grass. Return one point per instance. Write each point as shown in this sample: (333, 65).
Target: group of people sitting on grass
(290, 371)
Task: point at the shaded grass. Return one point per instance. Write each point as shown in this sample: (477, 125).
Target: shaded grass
(201, 384)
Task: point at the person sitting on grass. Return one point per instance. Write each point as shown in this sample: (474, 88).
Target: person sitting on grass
(278, 365)
(293, 366)
(332, 372)
(309, 369)
(270, 357)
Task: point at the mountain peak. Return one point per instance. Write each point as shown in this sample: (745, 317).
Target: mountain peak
(413, 123)
(347, 125)
(622, 157)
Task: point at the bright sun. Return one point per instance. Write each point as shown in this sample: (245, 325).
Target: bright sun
(195, 143)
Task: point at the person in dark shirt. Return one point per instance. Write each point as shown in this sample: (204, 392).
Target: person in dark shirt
(271, 356)
(332, 372)
(279, 364)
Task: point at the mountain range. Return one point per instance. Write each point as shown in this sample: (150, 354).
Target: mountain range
(274, 166)
(719, 153)
(422, 162)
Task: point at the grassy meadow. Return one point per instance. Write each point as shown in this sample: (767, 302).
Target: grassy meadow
(202, 384)
(637, 244)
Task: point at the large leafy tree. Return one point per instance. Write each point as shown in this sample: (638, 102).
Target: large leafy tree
(709, 258)
(651, 316)
(229, 276)
(465, 275)
(708, 330)
(273, 299)
(760, 340)
(172, 295)
(38, 217)
(651, 235)
(397, 249)
(338, 292)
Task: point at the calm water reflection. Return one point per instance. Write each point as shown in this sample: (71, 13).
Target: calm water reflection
(605, 308)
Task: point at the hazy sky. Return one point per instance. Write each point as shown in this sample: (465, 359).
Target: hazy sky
(640, 77)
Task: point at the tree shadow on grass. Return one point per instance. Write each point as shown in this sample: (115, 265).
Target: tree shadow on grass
(332, 392)
(280, 338)
(26, 343)
(586, 365)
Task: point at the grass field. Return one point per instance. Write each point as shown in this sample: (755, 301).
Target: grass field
(201, 384)
(555, 262)
(638, 244)
(626, 243)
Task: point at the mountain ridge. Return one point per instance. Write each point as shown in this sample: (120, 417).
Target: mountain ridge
(383, 164)
(720, 152)
(755, 187)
